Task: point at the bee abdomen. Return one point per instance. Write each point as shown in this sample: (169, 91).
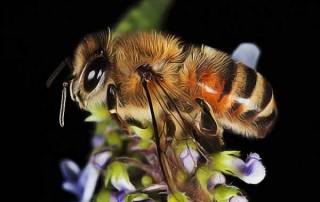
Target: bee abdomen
(241, 99)
(252, 102)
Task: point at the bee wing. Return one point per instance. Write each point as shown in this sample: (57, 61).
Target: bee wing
(248, 54)
(176, 127)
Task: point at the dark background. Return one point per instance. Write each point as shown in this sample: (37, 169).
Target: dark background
(38, 36)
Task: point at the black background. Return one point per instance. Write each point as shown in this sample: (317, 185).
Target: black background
(38, 36)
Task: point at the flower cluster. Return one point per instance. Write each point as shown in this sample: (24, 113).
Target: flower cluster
(110, 163)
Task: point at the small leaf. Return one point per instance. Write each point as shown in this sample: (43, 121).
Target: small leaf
(223, 193)
(177, 197)
(118, 175)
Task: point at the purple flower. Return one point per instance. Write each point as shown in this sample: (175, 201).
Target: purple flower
(216, 179)
(100, 159)
(98, 140)
(238, 199)
(189, 159)
(120, 196)
(83, 183)
(247, 53)
(251, 171)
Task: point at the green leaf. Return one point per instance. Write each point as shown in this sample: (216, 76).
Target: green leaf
(177, 197)
(114, 139)
(147, 15)
(222, 160)
(115, 172)
(203, 174)
(98, 113)
(136, 197)
(182, 145)
(103, 196)
(146, 133)
(223, 193)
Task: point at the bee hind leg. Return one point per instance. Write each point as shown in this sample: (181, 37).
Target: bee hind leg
(209, 133)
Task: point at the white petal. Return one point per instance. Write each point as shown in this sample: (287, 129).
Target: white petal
(257, 174)
(113, 198)
(189, 159)
(217, 178)
(89, 185)
(155, 187)
(248, 54)
(238, 199)
(253, 156)
(97, 140)
(100, 159)
(70, 170)
(121, 184)
(70, 187)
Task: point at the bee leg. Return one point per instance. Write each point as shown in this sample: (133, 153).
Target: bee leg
(210, 133)
(112, 104)
(134, 122)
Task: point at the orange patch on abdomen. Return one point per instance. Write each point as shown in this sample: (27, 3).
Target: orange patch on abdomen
(211, 89)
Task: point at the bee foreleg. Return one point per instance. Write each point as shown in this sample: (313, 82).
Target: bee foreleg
(112, 104)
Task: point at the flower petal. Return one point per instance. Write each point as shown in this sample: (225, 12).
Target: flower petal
(118, 174)
(189, 158)
(120, 196)
(238, 199)
(247, 53)
(101, 158)
(215, 179)
(71, 187)
(70, 170)
(156, 188)
(89, 181)
(121, 184)
(113, 197)
(252, 171)
(98, 140)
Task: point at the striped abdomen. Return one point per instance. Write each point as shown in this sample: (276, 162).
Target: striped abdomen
(242, 100)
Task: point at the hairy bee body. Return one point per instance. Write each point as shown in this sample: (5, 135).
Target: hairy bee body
(189, 93)
(242, 100)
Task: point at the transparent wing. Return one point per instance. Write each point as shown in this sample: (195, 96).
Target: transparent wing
(197, 131)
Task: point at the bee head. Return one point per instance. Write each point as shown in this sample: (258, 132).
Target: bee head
(92, 65)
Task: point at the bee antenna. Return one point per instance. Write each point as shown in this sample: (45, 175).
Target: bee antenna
(57, 71)
(63, 103)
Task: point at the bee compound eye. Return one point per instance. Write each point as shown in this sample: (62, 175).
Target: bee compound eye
(94, 72)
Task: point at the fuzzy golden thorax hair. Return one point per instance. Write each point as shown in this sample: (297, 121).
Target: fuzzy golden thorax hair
(163, 53)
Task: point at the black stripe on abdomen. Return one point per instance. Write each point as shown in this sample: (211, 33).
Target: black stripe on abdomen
(267, 95)
(229, 76)
(265, 121)
(250, 82)
(249, 115)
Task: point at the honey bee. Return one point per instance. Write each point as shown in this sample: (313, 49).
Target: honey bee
(187, 93)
